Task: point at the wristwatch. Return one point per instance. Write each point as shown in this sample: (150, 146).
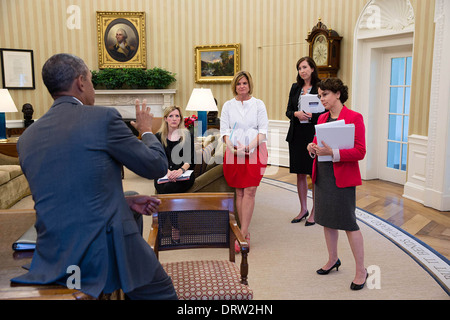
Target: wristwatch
(183, 169)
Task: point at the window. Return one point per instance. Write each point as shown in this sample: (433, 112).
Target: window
(399, 103)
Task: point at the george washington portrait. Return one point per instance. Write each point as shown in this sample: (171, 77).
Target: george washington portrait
(121, 40)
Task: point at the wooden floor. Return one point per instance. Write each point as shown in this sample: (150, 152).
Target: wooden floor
(385, 200)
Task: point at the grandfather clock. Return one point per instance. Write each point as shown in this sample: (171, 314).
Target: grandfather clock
(324, 48)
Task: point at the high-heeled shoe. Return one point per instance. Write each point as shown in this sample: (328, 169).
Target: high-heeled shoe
(307, 223)
(355, 286)
(295, 220)
(336, 265)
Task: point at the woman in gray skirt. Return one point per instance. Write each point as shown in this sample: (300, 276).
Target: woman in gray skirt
(336, 181)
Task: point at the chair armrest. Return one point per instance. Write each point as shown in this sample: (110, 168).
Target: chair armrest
(153, 236)
(237, 233)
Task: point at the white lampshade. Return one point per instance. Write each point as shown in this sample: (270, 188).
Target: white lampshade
(201, 100)
(6, 102)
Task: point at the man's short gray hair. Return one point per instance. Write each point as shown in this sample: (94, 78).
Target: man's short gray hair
(60, 70)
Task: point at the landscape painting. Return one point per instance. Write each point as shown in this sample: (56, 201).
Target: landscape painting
(216, 63)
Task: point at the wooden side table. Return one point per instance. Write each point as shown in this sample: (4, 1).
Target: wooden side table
(14, 131)
(9, 147)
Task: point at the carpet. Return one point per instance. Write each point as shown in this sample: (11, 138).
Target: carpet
(400, 266)
(284, 257)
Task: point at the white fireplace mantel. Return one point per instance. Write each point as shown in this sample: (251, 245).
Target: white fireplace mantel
(123, 100)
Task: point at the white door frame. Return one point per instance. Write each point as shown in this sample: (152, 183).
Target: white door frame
(367, 90)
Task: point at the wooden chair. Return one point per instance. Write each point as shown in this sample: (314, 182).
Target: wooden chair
(201, 220)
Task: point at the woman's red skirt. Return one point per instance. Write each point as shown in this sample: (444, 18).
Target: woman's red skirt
(244, 172)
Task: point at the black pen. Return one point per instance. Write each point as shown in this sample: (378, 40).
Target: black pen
(309, 119)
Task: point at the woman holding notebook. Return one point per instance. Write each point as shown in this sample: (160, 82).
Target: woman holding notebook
(243, 126)
(179, 147)
(301, 132)
(336, 181)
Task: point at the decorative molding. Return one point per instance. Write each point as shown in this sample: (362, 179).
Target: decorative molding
(437, 186)
(417, 162)
(277, 146)
(383, 17)
(435, 92)
(123, 100)
(14, 124)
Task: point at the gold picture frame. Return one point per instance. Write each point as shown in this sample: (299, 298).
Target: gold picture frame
(114, 27)
(217, 63)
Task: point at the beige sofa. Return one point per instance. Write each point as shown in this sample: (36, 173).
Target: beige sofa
(209, 174)
(13, 184)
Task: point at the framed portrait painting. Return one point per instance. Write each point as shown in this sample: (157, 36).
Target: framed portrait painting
(17, 68)
(216, 64)
(121, 40)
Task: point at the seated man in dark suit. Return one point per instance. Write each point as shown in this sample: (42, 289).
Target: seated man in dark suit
(72, 158)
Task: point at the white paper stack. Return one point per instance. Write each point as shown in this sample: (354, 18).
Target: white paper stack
(337, 135)
(310, 103)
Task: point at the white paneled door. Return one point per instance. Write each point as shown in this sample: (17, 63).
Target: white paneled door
(394, 113)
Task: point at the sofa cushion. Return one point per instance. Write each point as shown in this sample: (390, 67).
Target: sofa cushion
(217, 158)
(12, 170)
(4, 159)
(4, 177)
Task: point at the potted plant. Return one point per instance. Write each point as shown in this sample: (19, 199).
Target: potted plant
(132, 78)
(107, 78)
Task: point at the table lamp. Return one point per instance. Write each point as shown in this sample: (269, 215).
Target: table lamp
(6, 105)
(202, 101)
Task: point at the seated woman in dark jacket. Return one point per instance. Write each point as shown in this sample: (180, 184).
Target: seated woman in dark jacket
(179, 147)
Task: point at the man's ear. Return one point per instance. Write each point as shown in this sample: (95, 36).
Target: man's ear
(78, 83)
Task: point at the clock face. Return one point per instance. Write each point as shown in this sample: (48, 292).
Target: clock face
(320, 50)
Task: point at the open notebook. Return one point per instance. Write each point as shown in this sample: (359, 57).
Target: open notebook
(184, 176)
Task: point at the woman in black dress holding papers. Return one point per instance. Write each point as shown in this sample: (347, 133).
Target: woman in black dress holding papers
(301, 133)
(178, 144)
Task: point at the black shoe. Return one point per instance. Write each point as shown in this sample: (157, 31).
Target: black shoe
(307, 223)
(355, 286)
(295, 220)
(336, 265)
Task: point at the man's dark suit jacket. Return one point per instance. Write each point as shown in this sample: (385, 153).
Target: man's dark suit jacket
(72, 159)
